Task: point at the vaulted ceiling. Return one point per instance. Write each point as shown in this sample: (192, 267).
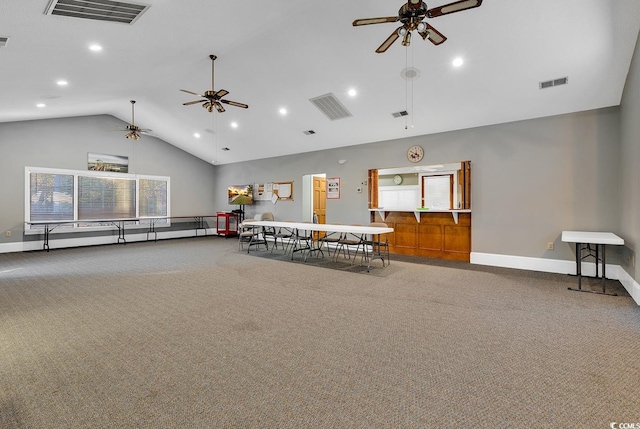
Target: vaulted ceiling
(280, 54)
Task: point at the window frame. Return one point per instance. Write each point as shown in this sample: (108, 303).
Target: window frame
(76, 227)
(452, 187)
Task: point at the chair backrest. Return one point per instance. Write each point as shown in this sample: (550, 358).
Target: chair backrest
(379, 224)
(267, 216)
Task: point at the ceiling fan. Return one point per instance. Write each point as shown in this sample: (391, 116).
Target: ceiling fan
(411, 16)
(133, 130)
(212, 98)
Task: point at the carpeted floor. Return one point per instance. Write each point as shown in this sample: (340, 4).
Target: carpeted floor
(192, 333)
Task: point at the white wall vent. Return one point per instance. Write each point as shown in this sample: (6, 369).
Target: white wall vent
(554, 82)
(400, 114)
(101, 10)
(331, 106)
(3, 41)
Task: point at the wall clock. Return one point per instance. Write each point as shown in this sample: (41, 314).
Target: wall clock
(397, 179)
(415, 154)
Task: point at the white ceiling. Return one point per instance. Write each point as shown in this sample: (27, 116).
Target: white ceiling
(279, 53)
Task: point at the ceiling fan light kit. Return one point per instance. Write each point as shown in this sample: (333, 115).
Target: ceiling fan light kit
(412, 15)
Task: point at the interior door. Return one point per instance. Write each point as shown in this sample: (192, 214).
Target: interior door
(320, 201)
(320, 198)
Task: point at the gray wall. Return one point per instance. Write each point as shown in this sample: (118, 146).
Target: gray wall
(64, 143)
(629, 166)
(530, 179)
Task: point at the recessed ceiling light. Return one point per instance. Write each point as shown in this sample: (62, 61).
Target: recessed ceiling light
(352, 92)
(234, 125)
(283, 111)
(457, 62)
(95, 48)
(41, 105)
(62, 83)
(196, 135)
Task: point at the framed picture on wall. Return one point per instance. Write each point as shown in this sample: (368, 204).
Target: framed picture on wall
(104, 162)
(333, 188)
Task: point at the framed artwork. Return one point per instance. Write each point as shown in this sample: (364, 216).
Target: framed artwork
(104, 162)
(333, 188)
(283, 190)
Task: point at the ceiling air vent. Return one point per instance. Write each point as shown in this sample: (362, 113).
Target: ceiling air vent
(331, 107)
(100, 10)
(554, 82)
(3, 41)
(400, 114)
(309, 132)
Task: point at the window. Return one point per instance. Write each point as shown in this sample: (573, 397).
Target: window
(106, 198)
(51, 196)
(437, 191)
(153, 197)
(85, 195)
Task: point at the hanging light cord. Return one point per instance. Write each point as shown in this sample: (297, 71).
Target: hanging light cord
(406, 84)
(412, 92)
(409, 76)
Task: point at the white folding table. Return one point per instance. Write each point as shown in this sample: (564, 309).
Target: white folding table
(587, 238)
(356, 229)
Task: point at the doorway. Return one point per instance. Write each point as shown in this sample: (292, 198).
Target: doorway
(314, 197)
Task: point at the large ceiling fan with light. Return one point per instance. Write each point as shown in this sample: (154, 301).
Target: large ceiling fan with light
(411, 15)
(212, 98)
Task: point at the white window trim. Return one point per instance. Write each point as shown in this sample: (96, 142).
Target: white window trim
(89, 173)
(444, 173)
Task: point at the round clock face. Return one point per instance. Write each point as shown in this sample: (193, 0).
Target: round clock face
(415, 154)
(397, 179)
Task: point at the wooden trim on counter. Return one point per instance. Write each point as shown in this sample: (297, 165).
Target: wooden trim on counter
(436, 235)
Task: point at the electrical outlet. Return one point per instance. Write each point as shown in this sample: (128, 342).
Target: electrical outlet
(7, 234)
(550, 245)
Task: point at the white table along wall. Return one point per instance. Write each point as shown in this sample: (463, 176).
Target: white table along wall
(588, 238)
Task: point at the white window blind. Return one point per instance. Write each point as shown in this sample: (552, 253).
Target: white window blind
(399, 197)
(50, 196)
(106, 198)
(153, 197)
(437, 191)
(70, 195)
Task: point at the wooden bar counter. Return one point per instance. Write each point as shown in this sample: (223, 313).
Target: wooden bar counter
(444, 234)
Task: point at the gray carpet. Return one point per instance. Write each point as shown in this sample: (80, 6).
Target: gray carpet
(191, 333)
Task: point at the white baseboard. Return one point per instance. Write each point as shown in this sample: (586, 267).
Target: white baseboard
(630, 285)
(61, 243)
(615, 272)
